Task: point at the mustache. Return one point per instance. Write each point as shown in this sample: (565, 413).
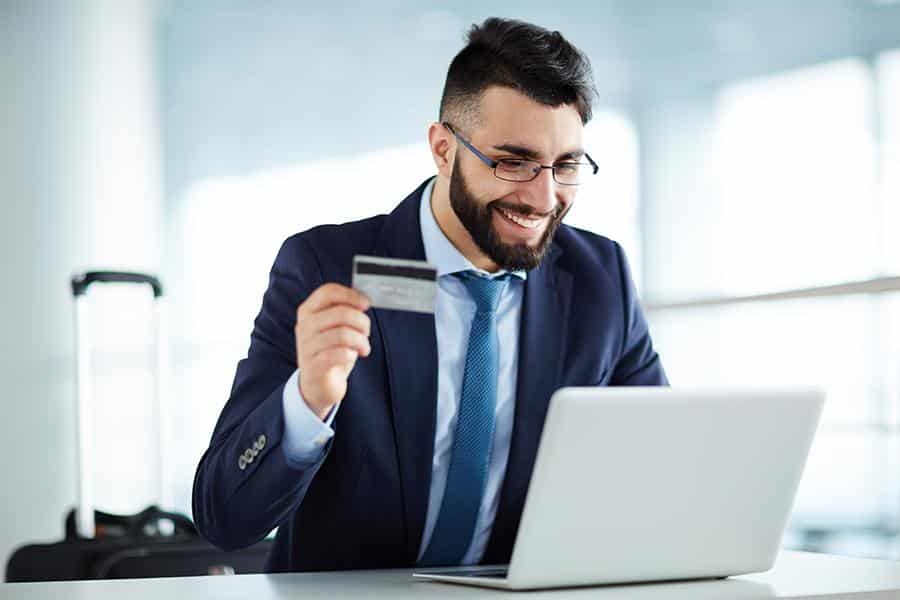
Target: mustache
(525, 210)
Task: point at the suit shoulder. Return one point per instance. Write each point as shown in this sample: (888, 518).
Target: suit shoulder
(598, 265)
(585, 249)
(332, 247)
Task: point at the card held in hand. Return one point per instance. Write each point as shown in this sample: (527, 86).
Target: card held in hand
(396, 284)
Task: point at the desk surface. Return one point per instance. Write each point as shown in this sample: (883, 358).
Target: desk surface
(795, 574)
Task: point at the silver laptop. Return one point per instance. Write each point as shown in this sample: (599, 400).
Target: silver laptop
(651, 484)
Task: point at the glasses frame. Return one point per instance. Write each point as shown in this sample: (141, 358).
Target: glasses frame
(493, 164)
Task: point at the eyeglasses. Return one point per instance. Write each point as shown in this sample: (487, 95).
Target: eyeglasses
(521, 170)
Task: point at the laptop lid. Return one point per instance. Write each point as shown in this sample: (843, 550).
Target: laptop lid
(644, 484)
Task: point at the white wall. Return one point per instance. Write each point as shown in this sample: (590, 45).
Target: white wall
(79, 187)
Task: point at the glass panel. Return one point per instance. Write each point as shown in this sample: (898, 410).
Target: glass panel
(607, 203)
(888, 68)
(778, 190)
(807, 198)
(848, 502)
(848, 345)
(796, 161)
(844, 484)
(889, 83)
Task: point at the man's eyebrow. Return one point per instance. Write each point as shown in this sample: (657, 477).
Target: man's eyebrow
(571, 155)
(530, 154)
(518, 151)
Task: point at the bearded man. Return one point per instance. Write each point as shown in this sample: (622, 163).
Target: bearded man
(376, 438)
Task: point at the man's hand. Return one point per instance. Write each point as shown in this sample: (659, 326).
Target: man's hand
(332, 331)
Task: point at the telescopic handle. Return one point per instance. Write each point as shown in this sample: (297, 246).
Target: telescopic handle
(82, 281)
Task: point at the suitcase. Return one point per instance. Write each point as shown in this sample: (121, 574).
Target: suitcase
(132, 548)
(100, 545)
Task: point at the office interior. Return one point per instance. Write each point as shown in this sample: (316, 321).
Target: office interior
(749, 158)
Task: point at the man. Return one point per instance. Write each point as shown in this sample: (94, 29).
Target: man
(380, 439)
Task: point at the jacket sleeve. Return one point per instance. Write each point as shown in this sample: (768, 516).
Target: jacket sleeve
(305, 434)
(639, 363)
(245, 485)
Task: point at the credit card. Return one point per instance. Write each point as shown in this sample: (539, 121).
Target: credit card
(396, 284)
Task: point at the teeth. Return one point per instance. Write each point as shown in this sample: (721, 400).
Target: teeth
(529, 223)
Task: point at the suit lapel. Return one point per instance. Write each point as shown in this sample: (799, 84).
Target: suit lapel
(410, 346)
(548, 292)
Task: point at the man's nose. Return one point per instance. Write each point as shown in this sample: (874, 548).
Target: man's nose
(542, 192)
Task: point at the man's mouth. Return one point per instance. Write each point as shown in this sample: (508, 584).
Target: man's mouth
(529, 222)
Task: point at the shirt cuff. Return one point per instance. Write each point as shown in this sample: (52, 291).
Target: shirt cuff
(305, 434)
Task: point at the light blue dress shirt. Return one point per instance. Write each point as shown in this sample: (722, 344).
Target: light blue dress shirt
(305, 434)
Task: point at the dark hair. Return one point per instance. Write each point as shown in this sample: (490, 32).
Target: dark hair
(532, 60)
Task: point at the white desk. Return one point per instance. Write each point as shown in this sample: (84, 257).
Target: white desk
(796, 575)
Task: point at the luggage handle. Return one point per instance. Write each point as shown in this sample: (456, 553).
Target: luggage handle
(133, 526)
(81, 282)
(154, 514)
(86, 526)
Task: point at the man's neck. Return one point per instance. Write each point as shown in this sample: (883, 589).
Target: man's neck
(453, 229)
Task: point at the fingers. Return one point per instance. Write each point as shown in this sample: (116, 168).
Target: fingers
(331, 333)
(341, 336)
(337, 356)
(332, 316)
(338, 316)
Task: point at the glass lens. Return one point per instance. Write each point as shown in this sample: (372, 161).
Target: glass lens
(569, 173)
(517, 170)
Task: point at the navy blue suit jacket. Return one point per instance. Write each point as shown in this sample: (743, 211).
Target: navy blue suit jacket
(363, 504)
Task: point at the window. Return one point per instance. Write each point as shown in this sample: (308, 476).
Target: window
(888, 77)
(803, 185)
(608, 203)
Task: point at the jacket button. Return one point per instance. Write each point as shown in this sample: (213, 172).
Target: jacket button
(242, 463)
(261, 441)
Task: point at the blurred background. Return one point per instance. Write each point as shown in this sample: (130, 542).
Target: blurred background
(749, 158)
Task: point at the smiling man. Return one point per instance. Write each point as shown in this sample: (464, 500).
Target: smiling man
(379, 438)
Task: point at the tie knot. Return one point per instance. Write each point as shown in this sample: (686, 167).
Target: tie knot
(486, 292)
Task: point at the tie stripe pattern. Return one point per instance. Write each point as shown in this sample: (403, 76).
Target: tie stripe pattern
(474, 429)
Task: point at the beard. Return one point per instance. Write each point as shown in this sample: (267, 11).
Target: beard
(478, 218)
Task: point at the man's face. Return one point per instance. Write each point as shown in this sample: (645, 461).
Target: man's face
(513, 222)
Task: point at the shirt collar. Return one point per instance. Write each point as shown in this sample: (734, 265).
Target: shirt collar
(439, 251)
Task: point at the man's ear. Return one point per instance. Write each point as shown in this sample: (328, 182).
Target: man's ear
(441, 142)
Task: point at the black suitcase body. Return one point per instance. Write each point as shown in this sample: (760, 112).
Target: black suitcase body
(127, 550)
(99, 545)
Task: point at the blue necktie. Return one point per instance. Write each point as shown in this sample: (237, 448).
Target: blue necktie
(474, 430)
